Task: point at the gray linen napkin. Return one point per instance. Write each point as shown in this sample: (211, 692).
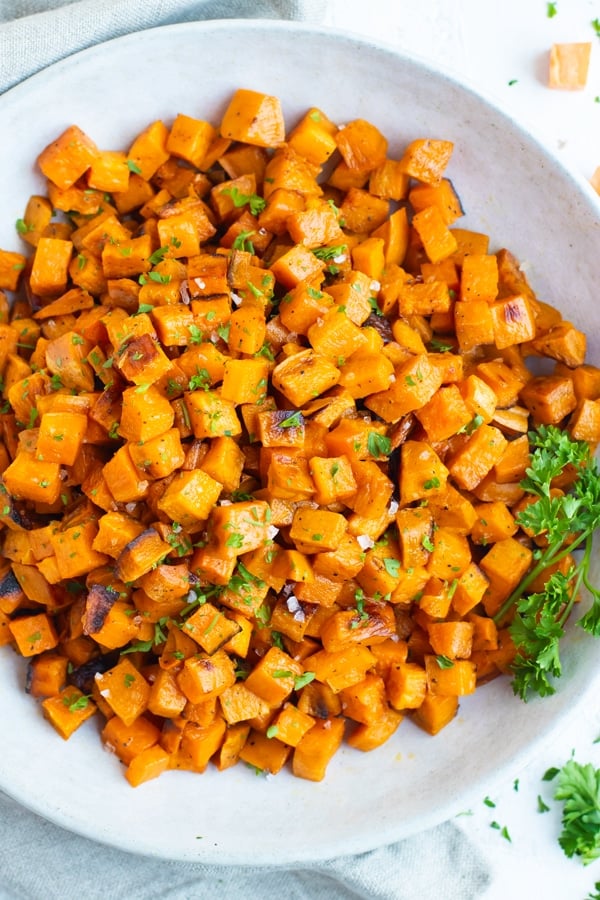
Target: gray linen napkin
(40, 861)
(35, 33)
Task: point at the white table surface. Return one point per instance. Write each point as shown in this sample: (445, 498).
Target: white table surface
(490, 44)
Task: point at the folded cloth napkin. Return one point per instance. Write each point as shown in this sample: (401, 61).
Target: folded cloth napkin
(35, 33)
(40, 861)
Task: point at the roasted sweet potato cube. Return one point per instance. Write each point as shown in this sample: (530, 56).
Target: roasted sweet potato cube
(190, 497)
(435, 712)
(125, 690)
(455, 680)
(127, 741)
(33, 634)
(304, 375)
(549, 398)
(68, 710)
(477, 456)
(514, 321)
(67, 158)
(239, 704)
(253, 118)
(189, 139)
(50, 269)
(316, 749)
(313, 530)
(140, 555)
(426, 159)
(204, 677)
(568, 65)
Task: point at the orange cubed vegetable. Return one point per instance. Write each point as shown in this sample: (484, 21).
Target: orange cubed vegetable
(67, 158)
(568, 65)
(60, 436)
(33, 634)
(316, 749)
(50, 269)
(68, 710)
(125, 690)
(253, 118)
(190, 497)
(148, 764)
(426, 159)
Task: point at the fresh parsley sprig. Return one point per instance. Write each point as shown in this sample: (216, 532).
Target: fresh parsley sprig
(567, 521)
(578, 787)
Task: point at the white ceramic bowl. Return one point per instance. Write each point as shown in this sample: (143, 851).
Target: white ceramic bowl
(512, 189)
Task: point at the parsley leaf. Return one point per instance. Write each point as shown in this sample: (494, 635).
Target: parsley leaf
(578, 788)
(378, 444)
(392, 566)
(254, 201)
(294, 420)
(330, 253)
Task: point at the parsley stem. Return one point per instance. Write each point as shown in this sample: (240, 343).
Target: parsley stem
(552, 554)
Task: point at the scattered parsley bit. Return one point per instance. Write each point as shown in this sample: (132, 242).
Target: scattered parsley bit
(22, 226)
(444, 663)
(502, 829)
(513, 81)
(471, 426)
(295, 420)
(223, 332)
(330, 253)
(489, 802)
(439, 346)
(137, 647)
(157, 256)
(254, 201)
(133, 167)
(301, 680)
(243, 242)
(378, 444)
(541, 806)
(200, 380)
(551, 10)
(154, 276)
(392, 566)
(75, 703)
(144, 308)
(427, 543)
(431, 484)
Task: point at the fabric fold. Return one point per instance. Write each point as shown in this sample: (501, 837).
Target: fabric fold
(36, 33)
(40, 861)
